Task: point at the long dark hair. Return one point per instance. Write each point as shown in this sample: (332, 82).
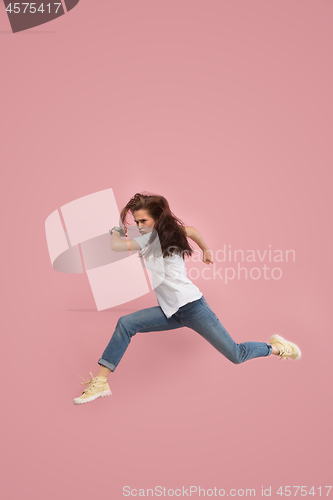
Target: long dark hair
(170, 230)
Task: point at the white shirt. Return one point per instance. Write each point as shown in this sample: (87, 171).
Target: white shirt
(172, 287)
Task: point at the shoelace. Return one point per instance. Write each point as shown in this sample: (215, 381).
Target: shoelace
(87, 381)
(284, 352)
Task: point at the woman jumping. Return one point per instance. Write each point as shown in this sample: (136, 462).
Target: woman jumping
(180, 302)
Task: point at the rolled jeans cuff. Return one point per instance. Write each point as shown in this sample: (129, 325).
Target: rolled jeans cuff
(270, 349)
(106, 364)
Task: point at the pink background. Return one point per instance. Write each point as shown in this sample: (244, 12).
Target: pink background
(225, 109)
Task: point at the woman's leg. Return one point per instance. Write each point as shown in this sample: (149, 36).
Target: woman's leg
(151, 319)
(198, 316)
(103, 372)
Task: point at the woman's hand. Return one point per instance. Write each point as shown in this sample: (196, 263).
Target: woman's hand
(207, 257)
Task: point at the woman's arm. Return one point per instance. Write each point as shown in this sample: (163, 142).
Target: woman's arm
(120, 245)
(194, 235)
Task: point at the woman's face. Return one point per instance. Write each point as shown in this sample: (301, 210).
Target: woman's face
(143, 221)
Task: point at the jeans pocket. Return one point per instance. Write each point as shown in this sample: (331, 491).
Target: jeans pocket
(193, 312)
(189, 306)
(205, 304)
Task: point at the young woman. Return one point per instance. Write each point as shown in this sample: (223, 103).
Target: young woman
(164, 238)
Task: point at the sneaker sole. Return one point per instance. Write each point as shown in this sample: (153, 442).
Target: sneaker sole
(78, 401)
(277, 337)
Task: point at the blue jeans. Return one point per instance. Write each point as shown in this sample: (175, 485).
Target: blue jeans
(196, 315)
